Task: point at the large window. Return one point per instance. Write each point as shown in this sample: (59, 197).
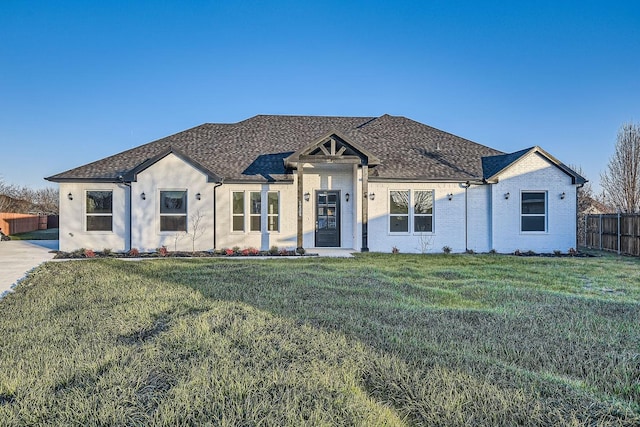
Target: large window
(534, 211)
(255, 200)
(99, 210)
(411, 210)
(273, 211)
(238, 210)
(173, 211)
(248, 205)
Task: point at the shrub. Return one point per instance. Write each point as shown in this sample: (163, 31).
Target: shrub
(283, 251)
(493, 252)
(89, 253)
(245, 252)
(300, 251)
(228, 251)
(446, 249)
(530, 253)
(253, 251)
(134, 252)
(557, 252)
(236, 249)
(106, 251)
(78, 253)
(273, 250)
(517, 252)
(162, 250)
(395, 250)
(470, 251)
(572, 252)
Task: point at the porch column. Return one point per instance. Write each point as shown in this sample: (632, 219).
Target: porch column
(365, 208)
(300, 203)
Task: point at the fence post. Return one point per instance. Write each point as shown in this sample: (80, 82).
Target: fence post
(618, 232)
(600, 231)
(586, 229)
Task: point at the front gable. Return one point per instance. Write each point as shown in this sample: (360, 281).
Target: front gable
(495, 167)
(132, 175)
(333, 147)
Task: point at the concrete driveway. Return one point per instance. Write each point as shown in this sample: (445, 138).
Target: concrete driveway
(18, 257)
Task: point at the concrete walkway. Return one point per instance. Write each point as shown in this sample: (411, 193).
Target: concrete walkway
(332, 252)
(18, 257)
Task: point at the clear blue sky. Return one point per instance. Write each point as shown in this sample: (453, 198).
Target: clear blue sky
(81, 80)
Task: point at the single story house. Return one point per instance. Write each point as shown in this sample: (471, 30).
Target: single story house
(361, 183)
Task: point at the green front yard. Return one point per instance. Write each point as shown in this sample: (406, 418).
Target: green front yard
(376, 340)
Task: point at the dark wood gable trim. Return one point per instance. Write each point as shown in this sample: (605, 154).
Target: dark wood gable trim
(333, 147)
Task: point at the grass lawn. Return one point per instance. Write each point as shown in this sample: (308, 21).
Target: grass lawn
(450, 340)
(49, 234)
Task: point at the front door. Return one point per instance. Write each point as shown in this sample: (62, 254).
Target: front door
(328, 219)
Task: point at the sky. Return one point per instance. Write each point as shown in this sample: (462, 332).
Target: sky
(82, 80)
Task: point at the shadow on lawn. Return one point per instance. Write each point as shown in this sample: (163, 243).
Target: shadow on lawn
(539, 343)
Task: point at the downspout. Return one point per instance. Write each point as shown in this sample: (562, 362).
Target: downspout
(466, 186)
(218, 184)
(128, 184)
(578, 220)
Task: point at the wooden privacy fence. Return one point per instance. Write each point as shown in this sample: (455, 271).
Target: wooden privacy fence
(14, 223)
(613, 232)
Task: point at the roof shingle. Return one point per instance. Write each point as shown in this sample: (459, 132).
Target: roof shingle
(254, 149)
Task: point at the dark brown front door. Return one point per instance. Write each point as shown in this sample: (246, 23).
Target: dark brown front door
(328, 219)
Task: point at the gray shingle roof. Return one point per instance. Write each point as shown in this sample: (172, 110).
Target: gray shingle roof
(255, 149)
(493, 164)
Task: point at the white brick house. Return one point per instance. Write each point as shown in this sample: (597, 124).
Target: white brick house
(361, 183)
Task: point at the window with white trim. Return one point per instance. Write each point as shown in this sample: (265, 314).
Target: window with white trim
(411, 210)
(237, 201)
(255, 211)
(173, 211)
(273, 211)
(533, 211)
(99, 210)
(399, 211)
(423, 211)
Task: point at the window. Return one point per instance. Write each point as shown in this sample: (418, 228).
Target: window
(255, 200)
(100, 210)
(173, 211)
(257, 211)
(238, 210)
(273, 211)
(399, 211)
(405, 215)
(423, 211)
(534, 211)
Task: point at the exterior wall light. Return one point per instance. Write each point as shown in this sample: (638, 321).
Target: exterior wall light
(450, 196)
(306, 196)
(143, 196)
(372, 196)
(506, 196)
(198, 196)
(562, 195)
(70, 196)
(347, 197)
